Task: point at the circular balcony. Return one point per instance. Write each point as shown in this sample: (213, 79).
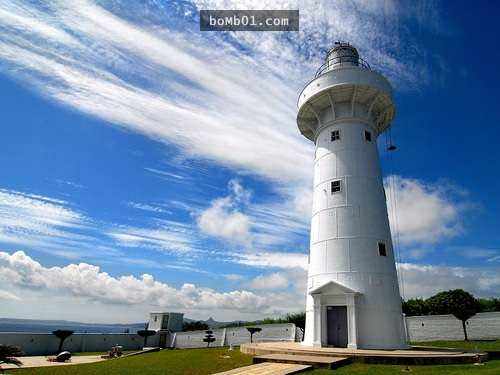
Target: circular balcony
(340, 62)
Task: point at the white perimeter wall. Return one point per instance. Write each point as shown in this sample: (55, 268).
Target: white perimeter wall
(47, 344)
(236, 336)
(447, 327)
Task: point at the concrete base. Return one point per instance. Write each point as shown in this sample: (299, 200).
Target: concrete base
(413, 356)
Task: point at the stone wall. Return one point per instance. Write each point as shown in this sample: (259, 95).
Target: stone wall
(447, 327)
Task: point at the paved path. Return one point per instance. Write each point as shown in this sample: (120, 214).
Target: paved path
(41, 361)
(267, 368)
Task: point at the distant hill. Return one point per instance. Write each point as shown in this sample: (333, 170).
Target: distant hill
(214, 323)
(44, 326)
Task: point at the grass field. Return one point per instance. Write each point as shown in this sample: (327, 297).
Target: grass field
(466, 345)
(490, 368)
(208, 361)
(172, 362)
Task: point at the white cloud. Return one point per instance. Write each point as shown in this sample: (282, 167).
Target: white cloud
(233, 277)
(272, 281)
(426, 280)
(222, 219)
(426, 213)
(240, 194)
(282, 260)
(89, 282)
(4, 295)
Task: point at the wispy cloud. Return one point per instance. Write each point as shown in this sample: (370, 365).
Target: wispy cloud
(271, 259)
(162, 235)
(149, 207)
(165, 174)
(193, 90)
(29, 218)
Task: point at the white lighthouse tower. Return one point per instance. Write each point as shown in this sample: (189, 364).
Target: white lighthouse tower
(353, 295)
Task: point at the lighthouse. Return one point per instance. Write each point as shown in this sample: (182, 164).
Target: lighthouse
(353, 297)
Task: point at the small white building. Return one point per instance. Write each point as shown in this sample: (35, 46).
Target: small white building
(160, 321)
(353, 295)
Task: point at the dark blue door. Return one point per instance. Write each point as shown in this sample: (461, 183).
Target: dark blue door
(336, 326)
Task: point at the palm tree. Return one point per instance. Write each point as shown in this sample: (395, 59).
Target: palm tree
(146, 333)
(62, 334)
(8, 354)
(252, 331)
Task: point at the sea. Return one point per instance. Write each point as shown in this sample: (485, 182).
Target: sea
(47, 326)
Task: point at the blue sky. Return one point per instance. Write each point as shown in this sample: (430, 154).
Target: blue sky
(150, 166)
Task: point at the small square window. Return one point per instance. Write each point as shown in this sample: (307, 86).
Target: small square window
(336, 186)
(382, 251)
(368, 136)
(335, 135)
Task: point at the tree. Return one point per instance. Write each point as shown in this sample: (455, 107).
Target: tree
(461, 304)
(252, 331)
(209, 337)
(415, 307)
(194, 326)
(299, 319)
(62, 334)
(8, 354)
(489, 304)
(146, 333)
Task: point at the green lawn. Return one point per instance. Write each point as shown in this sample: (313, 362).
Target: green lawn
(208, 361)
(467, 345)
(489, 368)
(172, 362)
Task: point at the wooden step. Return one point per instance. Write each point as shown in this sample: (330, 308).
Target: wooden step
(268, 368)
(313, 360)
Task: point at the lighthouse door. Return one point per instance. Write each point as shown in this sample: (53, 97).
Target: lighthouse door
(336, 325)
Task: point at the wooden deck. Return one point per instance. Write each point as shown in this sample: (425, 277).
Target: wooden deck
(312, 360)
(412, 356)
(268, 368)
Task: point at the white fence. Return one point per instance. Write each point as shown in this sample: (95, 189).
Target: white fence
(447, 327)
